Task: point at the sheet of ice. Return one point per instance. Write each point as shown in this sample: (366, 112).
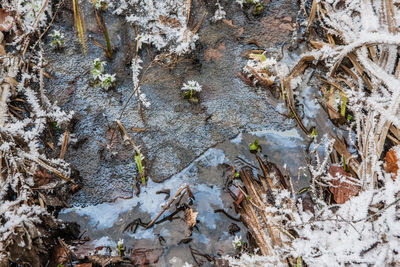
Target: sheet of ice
(278, 139)
(310, 104)
(104, 215)
(281, 108)
(237, 139)
(200, 237)
(142, 233)
(208, 199)
(164, 232)
(104, 241)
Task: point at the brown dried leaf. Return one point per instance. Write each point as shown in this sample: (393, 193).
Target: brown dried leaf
(59, 256)
(82, 250)
(342, 191)
(217, 53)
(333, 114)
(74, 188)
(42, 177)
(145, 257)
(229, 23)
(190, 217)
(6, 21)
(170, 22)
(318, 44)
(112, 137)
(53, 201)
(239, 200)
(84, 265)
(391, 162)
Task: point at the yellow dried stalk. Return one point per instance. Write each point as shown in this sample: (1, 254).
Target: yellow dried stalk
(64, 144)
(265, 230)
(79, 26)
(313, 12)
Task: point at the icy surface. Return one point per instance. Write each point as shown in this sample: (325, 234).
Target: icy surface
(106, 214)
(205, 178)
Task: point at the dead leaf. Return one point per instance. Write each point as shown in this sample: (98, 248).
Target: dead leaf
(239, 31)
(142, 257)
(190, 219)
(111, 137)
(170, 22)
(84, 265)
(342, 191)
(286, 26)
(391, 163)
(82, 250)
(212, 53)
(59, 256)
(333, 114)
(318, 44)
(53, 201)
(74, 188)
(2, 48)
(6, 21)
(42, 177)
(229, 23)
(101, 260)
(239, 200)
(308, 204)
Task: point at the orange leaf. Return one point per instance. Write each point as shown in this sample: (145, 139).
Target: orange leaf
(342, 191)
(391, 162)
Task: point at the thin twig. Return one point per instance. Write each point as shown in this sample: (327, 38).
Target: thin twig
(167, 206)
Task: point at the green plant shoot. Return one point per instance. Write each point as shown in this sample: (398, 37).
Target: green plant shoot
(343, 107)
(138, 160)
(313, 133)
(255, 147)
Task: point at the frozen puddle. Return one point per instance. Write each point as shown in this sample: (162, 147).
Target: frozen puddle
(104, 215)
(104, 223)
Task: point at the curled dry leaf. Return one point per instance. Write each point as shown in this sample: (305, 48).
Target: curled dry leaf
(342, 191)
(190, 219)
(239, 200)
(6, 21)
(391, 162)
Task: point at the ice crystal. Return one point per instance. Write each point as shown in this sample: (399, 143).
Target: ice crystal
(162, 24)
(107, 80)
(191, 85)
(219, 13)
